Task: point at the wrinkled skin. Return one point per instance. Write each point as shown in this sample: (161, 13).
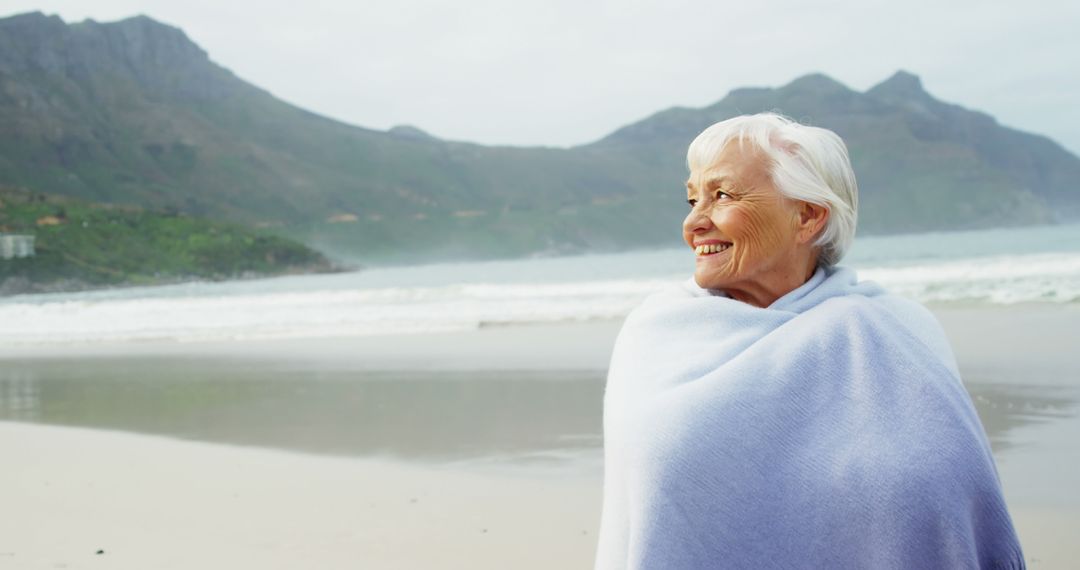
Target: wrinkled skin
(734, 200)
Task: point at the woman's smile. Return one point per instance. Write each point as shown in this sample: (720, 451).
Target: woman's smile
(711, 248)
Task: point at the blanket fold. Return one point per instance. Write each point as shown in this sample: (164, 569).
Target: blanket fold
(829, 430)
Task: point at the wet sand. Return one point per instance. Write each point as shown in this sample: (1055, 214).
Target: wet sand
(497, 429)
(561, 346)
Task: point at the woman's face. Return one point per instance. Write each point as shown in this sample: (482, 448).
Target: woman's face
(748, 229)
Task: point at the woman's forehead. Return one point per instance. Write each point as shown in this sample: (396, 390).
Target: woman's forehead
(734, 165)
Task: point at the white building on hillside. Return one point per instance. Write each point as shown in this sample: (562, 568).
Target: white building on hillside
(16, 245)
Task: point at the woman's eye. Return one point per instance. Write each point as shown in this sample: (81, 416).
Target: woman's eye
(721, 194)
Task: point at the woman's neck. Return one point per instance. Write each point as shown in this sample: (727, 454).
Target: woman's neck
(765, 290)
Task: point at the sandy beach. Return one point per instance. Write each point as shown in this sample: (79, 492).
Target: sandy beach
(448, 450)
(150, 502)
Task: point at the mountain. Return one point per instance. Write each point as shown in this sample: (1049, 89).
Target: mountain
(922, 164)
(133, 112)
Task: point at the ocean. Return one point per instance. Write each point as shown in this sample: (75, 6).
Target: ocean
(986, 267)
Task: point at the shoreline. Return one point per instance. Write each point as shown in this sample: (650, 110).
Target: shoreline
(14, 287)
(983, 337)
(580, 345)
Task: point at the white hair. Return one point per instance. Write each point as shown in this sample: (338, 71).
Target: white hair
(810, 164)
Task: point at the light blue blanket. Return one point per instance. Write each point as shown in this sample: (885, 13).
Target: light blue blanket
(830, 430)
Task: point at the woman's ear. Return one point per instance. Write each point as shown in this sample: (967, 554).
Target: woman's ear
(812, 218)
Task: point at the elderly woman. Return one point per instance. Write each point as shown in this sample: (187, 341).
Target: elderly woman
(773, 411)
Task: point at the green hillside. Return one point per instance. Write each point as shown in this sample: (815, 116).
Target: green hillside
(79, 245)
(133, 112)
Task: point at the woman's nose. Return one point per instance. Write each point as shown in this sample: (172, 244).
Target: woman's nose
(696, 222)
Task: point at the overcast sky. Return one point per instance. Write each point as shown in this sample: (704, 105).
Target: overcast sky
(560, 73)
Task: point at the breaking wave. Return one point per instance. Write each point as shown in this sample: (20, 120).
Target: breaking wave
(466, 296)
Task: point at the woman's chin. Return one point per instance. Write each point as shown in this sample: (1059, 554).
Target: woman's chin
(709, 280)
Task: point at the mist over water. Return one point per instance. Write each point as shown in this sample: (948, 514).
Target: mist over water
(995, 267)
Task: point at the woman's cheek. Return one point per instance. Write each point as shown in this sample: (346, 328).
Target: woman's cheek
(765, 230)
(739, 226)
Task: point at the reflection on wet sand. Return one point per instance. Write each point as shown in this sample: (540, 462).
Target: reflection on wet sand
(415, 415)
(425, 416)
(1005, 407)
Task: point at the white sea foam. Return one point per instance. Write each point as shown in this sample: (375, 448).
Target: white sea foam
(317, 313)
(336, 305)
(1007, 279)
